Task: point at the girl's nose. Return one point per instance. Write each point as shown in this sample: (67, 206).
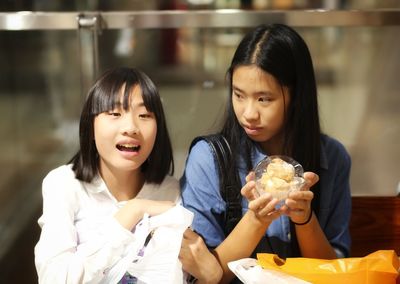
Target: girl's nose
(129, 126)
(131, 132)
(250, 112)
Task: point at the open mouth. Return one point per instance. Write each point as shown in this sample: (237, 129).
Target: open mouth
(128, 147)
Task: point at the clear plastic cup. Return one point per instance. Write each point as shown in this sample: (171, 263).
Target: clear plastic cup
(278, 175)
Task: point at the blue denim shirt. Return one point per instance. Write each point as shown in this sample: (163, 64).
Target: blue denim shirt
(201, 195)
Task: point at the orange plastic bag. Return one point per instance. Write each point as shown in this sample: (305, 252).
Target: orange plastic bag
(380, 267)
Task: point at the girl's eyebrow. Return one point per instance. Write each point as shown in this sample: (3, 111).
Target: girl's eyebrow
(115, 105)
(265, 93)
(236, 89)
(141, 104)
(262, 93)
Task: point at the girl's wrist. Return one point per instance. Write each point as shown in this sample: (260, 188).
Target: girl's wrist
(306, 221)
(256, 221)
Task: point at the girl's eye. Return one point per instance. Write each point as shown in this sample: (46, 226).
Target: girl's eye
(145, 115)
(264, 99)
(237, 95)
(114, 113)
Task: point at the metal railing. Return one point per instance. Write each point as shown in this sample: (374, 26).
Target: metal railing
(18, 21)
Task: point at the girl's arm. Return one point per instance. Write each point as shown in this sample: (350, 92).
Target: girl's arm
(76, 244)
(312, 240)
(130, 214)
(200, 194)
(240, 243)
(197, 260)
(243, 239)
(310, 237)
(335, 211)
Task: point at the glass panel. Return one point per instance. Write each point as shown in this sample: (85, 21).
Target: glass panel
(40, 101)
(359, 100)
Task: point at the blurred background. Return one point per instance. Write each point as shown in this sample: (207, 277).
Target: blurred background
(51, 51)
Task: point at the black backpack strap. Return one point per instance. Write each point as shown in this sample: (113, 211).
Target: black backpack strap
(229, 180)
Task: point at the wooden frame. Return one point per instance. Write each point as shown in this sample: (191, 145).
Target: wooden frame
(375, 224)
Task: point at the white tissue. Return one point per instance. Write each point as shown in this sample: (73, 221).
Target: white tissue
(159, 263)
(249, 272)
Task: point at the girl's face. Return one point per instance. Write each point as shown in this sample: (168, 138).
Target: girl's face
(259, 103)
(125, 138)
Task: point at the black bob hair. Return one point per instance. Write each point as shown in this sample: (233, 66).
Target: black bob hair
(104, 96)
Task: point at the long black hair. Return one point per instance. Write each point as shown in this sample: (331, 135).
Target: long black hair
(280, 51)
(104, 96)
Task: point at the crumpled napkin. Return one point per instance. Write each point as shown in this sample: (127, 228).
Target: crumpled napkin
(249, 272)
(159, 261)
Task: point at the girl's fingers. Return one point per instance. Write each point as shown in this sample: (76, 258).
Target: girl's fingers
(189, 234)
(251, 176)
(269, 209)
(284, 209)
(301, 195)
(261, 202)
(311, 179)
(297, 205)
(248, 190)
(300, 200)
(257, 203)
(270, 215)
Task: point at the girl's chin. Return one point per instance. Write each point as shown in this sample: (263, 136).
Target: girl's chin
(130, 168)
(259, 138)
(129, 154)
(255, 135)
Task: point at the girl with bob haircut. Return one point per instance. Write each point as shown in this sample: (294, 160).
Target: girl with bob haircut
(121, 173)
(160, 161)
(272, 110)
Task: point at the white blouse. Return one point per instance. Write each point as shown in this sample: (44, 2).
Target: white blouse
(80, 240)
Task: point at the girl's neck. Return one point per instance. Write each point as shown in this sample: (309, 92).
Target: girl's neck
(123, 185)
(273, 146)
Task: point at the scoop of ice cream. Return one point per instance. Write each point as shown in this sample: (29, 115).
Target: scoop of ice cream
(280, 169)
(278, 177)
(274, 183)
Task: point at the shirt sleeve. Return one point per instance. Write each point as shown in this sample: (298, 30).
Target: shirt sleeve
(338, 213)
(59, 258)
(201, 194)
